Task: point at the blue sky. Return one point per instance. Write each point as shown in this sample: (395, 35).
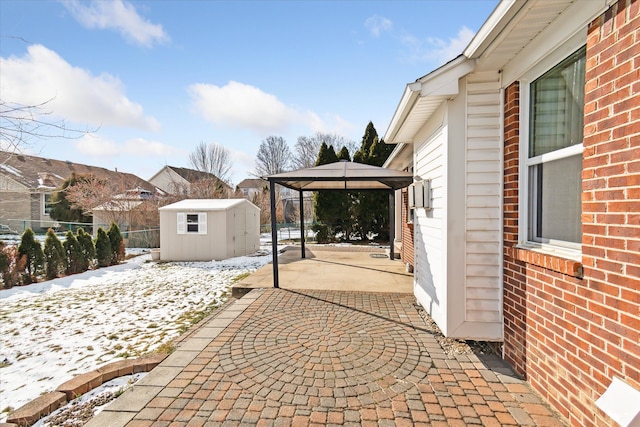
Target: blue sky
(156, 78)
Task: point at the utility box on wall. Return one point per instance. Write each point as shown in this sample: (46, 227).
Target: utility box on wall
(208, 229)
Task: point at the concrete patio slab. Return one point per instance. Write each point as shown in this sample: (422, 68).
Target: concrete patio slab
(339, 268)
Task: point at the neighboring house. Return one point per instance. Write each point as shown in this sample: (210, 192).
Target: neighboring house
(135, 212)
(524, 224)
(28, 182)
(189, 182)
(250, 187)
(208, 229)
(257, 191)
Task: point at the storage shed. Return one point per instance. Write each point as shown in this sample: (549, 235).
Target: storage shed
(208, 229)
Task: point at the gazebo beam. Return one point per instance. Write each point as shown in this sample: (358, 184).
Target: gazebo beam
(274, 233)
(304, 255)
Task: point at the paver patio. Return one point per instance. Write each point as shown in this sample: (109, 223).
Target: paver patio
(283, 357)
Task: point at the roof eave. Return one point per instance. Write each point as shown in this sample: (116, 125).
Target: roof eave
(441, 83)
(493, 27)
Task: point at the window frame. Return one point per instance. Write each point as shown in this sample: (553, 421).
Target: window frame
(562, 248)
(44, 204)
(182, 224)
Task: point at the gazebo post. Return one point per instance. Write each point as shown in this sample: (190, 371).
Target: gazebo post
(392, 224)
(304, 255)
(274, 233)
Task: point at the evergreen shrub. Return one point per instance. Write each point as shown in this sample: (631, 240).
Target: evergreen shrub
(54, 256)
(31, 249)
(73, 254)
(104, 254)
(87, 249)
(117, 244)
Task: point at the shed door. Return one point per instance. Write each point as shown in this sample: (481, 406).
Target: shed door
(249, 232)
(239, 235)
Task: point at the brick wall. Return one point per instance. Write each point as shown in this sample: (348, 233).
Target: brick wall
(569, 326)
(406, 254)
(514, 301)
(611, 195)
(14, 208)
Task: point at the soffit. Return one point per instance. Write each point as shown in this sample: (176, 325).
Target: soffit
(516, 32)
(423, 109)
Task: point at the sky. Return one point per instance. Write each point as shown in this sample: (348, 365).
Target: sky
(144, 82)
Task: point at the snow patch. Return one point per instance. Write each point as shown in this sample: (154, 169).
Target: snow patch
(11, 169)
(52, 331)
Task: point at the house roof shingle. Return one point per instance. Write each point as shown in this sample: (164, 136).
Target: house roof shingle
(38, 173)
(253, 183)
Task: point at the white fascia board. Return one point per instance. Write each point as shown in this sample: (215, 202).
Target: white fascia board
(403, 109)
(444, 80)
(440, 82)
(492, 27)
(396, 156)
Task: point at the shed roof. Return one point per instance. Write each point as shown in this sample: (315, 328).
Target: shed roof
(343, 175)
(205, 204)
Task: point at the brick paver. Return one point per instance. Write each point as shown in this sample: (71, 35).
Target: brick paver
(296, 358)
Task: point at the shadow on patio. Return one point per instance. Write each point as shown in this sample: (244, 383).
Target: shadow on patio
(338, 268)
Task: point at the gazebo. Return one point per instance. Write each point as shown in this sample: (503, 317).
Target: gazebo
(342, 175)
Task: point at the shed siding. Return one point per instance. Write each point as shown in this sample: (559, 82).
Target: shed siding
(192, 247)
(228, 231)
(429, 226)
(483, 198)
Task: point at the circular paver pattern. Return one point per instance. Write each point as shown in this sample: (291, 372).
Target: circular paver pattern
(336, 353)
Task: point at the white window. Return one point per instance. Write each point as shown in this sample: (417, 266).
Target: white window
(192, 223)
(47, 203)
(552, 154)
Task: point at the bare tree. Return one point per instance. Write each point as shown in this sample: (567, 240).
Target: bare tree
(134, 211)
(274, 156)
(306, 152)
(20, 123)
(212, 158)
(307, 148)
(262, 200)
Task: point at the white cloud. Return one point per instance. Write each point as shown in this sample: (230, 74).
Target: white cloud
(117, 15)
(97, 146)
(437, 50)
(243, 106)
(378, 24)
(76, 95)
(243, 165)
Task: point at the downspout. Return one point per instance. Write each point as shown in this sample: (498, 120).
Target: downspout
(392, 225)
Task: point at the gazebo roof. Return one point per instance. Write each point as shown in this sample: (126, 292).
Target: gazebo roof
(343, 175)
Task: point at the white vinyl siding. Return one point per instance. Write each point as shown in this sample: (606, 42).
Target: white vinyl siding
(429, 226)
(483, 199)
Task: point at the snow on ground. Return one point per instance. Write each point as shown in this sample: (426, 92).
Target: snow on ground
(80, 410)
(52, 331)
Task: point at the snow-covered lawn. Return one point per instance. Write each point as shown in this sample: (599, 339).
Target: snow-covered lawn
(54, 330)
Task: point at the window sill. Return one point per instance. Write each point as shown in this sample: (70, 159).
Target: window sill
(565, 262)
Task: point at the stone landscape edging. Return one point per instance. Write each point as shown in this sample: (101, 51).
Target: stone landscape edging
(45, 404)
